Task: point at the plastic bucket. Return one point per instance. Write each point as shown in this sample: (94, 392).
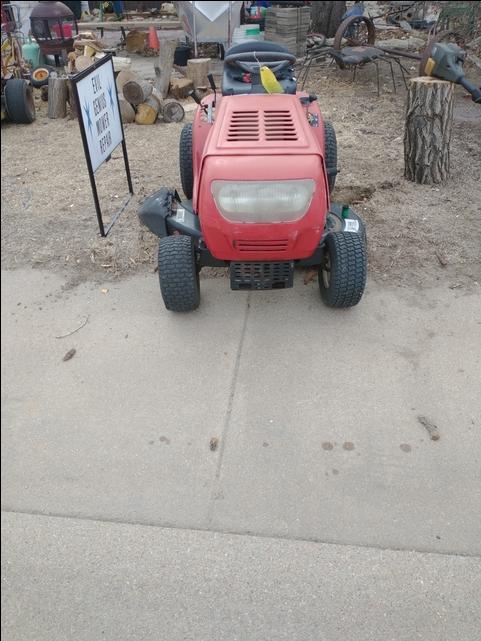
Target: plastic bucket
(181, 55)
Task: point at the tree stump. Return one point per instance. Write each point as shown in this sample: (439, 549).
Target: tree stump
(147, 112)
(163, 68)
(326, 17)
(197, 70)
(180, 87)
(429, 117)
(57, 97)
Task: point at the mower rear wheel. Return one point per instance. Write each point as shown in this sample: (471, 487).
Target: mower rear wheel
(178, 274)
(19, 101)
(185, 161)
(342, 274)
(330, 154)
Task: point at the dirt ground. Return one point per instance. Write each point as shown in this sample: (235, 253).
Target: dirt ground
(417, 235)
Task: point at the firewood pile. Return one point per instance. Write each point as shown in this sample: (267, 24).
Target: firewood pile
(143, 103)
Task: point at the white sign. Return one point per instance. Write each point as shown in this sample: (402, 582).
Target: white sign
(100, 115)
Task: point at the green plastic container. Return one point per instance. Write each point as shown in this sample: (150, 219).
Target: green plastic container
(31, 53)
(253, 31)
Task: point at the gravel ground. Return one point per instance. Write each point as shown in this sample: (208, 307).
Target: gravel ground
(49, 222)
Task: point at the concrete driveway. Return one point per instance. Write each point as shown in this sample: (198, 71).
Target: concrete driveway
(260, 469)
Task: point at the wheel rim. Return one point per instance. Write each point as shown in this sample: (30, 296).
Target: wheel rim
(357, 30)
(40, 74)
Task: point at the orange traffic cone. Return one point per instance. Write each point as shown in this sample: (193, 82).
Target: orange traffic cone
(153, 40)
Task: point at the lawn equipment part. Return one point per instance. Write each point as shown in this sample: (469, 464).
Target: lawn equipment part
(17, 96)
(330, 155)
(40, 75)
(185, 160)
(342, 273)
(257, 170)
(178, 273)
(19, 102)
(444, 60)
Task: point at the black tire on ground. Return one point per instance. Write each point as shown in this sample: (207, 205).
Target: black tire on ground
(19, 101)
(178, 274)
(330, 153)
(186, 161)
(342, 274)
(40, 75)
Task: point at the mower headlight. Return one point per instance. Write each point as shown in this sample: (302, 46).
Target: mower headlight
(263, 201)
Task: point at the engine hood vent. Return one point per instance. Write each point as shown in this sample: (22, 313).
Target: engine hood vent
(279, 125)
(244, 126)
(273, 125)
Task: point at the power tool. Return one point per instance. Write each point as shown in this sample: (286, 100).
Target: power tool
(445, 61)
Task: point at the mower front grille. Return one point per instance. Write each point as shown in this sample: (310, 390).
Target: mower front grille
(262, 245)
(279, 125)
(262, 275)
(243, 125)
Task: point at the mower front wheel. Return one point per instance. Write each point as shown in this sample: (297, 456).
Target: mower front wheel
(330, 154)
(178, 273)
(342, 274)
(186, 161)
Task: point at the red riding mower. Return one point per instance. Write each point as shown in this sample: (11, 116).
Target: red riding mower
(257, 169)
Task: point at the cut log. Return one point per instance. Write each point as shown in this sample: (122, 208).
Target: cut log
(57, 97)
(163, 68)
(180, 87)
(127, 112)
(83, 62)
(137, 91)
(123, 77)
(72, 101)
(147, 112)
(197, 70)
(172, 111)
(429, 118)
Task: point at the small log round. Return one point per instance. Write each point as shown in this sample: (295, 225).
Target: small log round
(147, 112)
(127, 112)
(172, 111)
(137, 91)
(124, 76)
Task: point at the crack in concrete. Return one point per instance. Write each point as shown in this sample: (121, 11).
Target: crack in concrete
(226, 531)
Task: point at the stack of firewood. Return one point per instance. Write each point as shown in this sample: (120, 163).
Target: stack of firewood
(142, 103)
(87, 49)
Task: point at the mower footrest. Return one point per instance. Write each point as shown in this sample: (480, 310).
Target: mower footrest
(261, 275)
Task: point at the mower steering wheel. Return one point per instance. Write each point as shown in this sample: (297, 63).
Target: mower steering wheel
(250, 61)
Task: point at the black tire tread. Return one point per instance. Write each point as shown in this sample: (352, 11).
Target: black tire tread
(330, 151)
(178, 277)
(18, 95)
(348, 270)
(186, 161)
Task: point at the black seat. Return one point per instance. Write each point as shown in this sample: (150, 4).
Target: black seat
(232, 79)
(354, 56)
